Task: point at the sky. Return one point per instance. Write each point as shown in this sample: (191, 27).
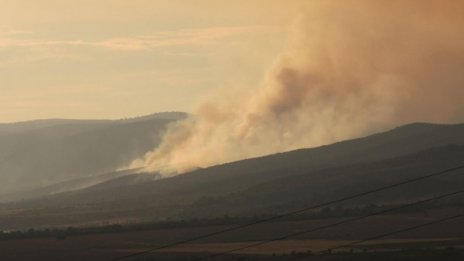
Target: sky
(120, 58)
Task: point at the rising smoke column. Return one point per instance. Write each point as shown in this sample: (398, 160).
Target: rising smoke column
(353, 67)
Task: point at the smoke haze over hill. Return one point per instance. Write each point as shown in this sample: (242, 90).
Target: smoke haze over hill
(350, 69)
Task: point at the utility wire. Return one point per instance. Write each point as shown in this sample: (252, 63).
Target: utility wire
(386, 235)
(208, 235)
(299, 233)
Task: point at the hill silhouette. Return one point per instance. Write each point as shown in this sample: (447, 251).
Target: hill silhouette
(40, 153)
(270, 184)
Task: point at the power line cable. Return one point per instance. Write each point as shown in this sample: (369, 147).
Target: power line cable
(291, 213)
(386, 235)
(299, 233)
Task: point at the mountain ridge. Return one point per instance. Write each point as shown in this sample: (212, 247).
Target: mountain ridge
(37, 154)
(265, 185)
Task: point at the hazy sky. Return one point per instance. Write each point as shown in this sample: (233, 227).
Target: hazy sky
(121, 58)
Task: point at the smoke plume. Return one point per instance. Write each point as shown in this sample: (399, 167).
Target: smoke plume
(353, 67)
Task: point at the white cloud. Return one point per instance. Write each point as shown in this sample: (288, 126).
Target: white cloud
(205, 36)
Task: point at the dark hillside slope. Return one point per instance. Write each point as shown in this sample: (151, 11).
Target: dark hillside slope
(275, 183)
(325, 185)
(234, 176)
(279, 195)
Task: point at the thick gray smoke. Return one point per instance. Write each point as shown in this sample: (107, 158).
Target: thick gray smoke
(353, 67)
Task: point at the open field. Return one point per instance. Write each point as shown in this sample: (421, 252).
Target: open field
(316, 246)
(111, 245)
(91, 248)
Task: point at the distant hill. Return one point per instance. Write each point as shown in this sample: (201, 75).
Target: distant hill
(271, 184)
(36, 154)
